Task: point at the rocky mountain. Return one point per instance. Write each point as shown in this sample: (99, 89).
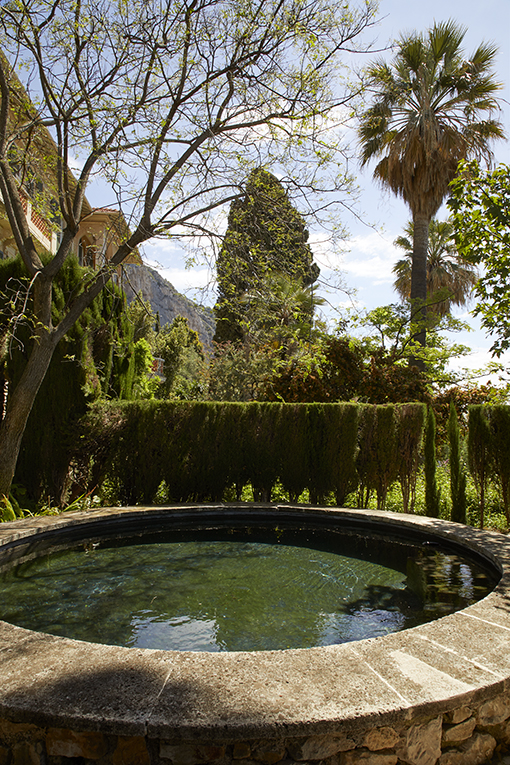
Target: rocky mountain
(166, 301)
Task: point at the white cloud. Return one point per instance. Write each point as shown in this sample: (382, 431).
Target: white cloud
(185, 280)
(371, 256)
(75, 164)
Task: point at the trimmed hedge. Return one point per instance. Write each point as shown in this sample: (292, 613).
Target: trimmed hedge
(204, 450)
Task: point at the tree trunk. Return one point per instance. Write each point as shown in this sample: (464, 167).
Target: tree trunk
(19, 406)
(421, 225)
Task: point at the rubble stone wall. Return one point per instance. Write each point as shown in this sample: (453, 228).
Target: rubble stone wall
(465, 735)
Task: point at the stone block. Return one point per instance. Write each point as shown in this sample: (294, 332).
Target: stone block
(501, 731)
(368, 758)
(12, 732)
(69, 743)
(318, 747)
(421, 743)
(381, 738)
(494, 711)
(457, 716)
(191, 754)
(25, 754)
(269, 752)
(455, 734)
(476, 751)
(131, 750)
(241, 750)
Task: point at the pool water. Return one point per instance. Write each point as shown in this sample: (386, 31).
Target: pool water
(232, 594)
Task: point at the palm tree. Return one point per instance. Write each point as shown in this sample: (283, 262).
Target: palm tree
(450, 278)
(432, 108)
(281, 310)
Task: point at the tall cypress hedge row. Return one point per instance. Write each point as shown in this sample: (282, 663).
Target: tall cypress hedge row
(499, 423)
(457, 472)
(480, 453)
(294, 473)
(411, 424)
(201, 449)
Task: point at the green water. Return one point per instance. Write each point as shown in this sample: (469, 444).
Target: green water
(231, 595)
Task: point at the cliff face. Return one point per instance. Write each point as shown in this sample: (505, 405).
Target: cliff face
(165, 300)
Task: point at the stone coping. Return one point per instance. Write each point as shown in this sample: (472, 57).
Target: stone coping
(427, 670)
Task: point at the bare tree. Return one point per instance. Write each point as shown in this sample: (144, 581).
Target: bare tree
(170, 101)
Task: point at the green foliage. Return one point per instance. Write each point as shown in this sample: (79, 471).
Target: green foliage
(329, 370)
(480, 453)
(390, 342)
(365, 464)
(183, 360)
(266, 235)
(378, 461)
(499, 422)
(386, 454)
(80, 370)
(410, 428)
(462, 398)
(450, 278)
(238, 371)
(149, 451)
(457, 471)
(432, 490)
(480, 203)
(345, 423)
(201, 450)
(176, 344)
(6, 510)
(294, 472)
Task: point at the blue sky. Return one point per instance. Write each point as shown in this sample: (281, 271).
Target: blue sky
(369, 253)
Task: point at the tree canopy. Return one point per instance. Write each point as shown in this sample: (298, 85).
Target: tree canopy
(480, 203)
(266, 238)
(450, 278)
(168, 102)
(433, 106)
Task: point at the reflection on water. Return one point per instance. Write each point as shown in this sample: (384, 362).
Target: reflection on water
(230, 595)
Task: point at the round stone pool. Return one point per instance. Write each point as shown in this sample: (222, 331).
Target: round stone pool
(436, 693)
(223, 586)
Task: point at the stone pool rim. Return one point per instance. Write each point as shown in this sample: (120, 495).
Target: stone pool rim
(424, 671)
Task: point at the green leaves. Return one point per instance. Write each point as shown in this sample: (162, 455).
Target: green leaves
(480, 205)
(430, 110)
(264, 262)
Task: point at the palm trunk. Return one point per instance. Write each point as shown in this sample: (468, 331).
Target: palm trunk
(421, 225)
(19, 406)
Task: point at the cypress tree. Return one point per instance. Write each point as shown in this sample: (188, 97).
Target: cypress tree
(479, 452)
(386, 452)
(457, 472)
(345, 478)
(75, 376)
(294, 446)
(366, 464)
(499, 420)
(410, 426)
(432, 490)
(265, 235)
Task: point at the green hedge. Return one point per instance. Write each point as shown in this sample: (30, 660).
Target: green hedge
(206, 450)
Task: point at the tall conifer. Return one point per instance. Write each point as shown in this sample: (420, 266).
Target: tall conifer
(266, 236)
